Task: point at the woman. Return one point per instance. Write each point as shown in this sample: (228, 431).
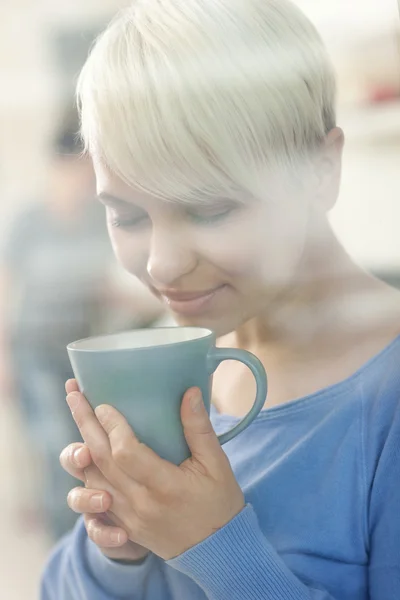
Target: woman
(212, 130)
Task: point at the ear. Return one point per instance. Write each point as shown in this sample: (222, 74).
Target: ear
(328, 170)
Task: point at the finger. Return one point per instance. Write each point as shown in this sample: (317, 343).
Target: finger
(82, 500)
(92, 433)
(74, 459)
(136, 459)
(104, 536)
(71, 386)
(199, 432)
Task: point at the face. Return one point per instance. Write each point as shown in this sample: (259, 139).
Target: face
(215, 265)
(222, 264)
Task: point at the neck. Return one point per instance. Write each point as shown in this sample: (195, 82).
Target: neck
(332, 301)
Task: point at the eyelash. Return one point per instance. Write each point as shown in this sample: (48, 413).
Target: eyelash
(197, 219)
(126, 223)
(211, 219)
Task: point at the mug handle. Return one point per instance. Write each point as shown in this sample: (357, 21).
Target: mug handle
(215, 357)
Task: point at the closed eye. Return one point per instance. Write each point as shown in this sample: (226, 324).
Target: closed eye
(210, 217)
(126, 221)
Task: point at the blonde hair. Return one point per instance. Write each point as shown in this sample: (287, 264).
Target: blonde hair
(186, 99)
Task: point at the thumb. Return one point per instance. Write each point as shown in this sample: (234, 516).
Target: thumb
(199, 433)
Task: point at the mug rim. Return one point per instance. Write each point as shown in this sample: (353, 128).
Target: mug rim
(74, 346)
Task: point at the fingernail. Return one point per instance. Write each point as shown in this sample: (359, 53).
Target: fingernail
(115, 538)
(96, 502)
(196, 401)
(77, 456)
(73, 400)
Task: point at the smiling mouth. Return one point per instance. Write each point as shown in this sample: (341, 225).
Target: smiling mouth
(190, 303)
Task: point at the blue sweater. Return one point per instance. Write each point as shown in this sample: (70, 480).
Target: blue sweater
(321, 478)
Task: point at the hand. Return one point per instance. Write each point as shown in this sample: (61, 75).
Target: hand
(163, 507)
(101, 525)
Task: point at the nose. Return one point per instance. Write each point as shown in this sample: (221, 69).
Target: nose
(170, 257)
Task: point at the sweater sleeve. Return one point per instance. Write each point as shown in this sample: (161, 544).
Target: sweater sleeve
(235, 563)
(77, 570)
(238, 563)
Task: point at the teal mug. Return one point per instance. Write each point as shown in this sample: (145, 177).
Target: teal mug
(145, 373)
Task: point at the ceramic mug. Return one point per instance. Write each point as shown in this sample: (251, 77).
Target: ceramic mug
(144, 374)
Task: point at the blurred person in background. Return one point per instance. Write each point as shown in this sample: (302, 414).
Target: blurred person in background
(212, 127)
(56, 288)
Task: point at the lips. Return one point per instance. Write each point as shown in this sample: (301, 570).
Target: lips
(189, 303)
(186, 296)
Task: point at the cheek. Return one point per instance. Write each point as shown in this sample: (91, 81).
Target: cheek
(229, 251)
(129, 250)
(283, 248)
(262, 252)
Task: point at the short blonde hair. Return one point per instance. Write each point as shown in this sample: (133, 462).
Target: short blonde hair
(191, 98)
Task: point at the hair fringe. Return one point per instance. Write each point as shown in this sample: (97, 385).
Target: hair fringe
(194, 100)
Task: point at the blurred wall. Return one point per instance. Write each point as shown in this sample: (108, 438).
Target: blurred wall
(32, 87)
(363, 37)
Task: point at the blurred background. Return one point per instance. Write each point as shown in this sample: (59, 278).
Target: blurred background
(47, 213)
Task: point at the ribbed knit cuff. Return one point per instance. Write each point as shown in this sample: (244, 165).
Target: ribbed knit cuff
(238, 563)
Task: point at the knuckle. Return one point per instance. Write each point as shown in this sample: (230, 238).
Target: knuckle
(89, 477)
(163, 485)
(121, 454)
(171, 491)
(100, 457)
(196, 467)
(144, 506)
(101, 535)
(79, 420)
(94, 478)
(93, 531)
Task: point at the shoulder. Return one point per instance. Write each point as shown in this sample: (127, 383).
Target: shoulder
(381, 382)
(381, 464)
(381, 405)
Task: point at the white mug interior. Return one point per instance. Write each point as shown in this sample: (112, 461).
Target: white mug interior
(141, 338)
